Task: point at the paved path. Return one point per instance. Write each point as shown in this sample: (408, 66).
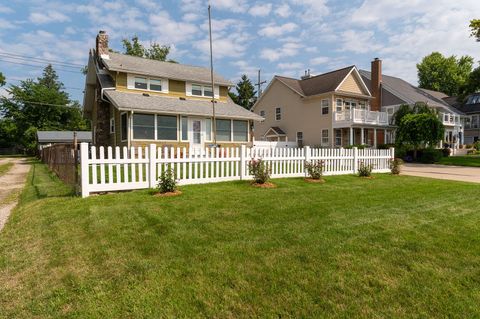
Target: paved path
(11, 183)
(455, 173)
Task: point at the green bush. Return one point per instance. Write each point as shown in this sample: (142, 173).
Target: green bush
(395, 166)
(314, 169)
(260, 171)
(365, 170)
(476, 145)
(167, 182)
(430, 156)
(384, 146)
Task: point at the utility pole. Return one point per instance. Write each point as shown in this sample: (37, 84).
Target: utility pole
(214, 124)
(259, 85)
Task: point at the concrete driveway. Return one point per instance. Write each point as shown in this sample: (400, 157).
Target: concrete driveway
(455, 173)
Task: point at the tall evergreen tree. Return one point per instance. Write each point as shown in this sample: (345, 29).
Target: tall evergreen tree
(38, 105)
(245, 93)
(2, 79)
(155, 51)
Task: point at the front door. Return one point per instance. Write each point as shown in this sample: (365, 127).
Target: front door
(196, 138)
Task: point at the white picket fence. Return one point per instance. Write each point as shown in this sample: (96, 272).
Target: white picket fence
(137, 168)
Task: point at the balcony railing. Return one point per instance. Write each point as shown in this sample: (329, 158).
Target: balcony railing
(362, 117)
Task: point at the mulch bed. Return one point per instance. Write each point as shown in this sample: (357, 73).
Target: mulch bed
(264, 185)
(313, 180)
(168, 194)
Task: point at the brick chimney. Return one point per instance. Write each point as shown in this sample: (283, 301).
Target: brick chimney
(102, 45)
(376, 103)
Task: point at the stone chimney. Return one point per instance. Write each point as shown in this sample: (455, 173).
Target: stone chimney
(376, 91)
(102, 45)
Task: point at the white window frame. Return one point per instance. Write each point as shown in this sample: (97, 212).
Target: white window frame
(278, 115)
(155, 128)
(340, 137)
(325, 106)
(327, 143)
(112, 125)
(338, 104)
(131, 83)
(298, 139)
(188, 88)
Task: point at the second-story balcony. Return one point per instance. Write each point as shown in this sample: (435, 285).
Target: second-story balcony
(359, 116)
(450, 119)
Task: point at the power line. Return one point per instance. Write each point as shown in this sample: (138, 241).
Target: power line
(28, 58)
(37, 66)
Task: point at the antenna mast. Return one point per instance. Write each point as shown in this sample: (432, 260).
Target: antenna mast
(214, 122)
(259, 85)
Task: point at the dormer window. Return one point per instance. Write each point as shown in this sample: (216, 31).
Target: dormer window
(202, 90)
(147, 83)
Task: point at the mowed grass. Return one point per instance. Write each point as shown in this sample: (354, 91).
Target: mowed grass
(5, 167)
(469, 160)
(393, 246)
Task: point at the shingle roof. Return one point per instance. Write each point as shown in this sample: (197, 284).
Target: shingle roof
(323, 83)
(160, 104)
(406, 92)
(175, 71)
(277, 130)
(470, 108)
(63, 136)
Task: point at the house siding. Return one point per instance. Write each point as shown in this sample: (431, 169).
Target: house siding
(351, 84)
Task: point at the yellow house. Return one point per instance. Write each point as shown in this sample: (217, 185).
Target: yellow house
(133, 101)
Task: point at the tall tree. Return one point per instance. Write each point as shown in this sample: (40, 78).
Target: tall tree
(2, 79)
(444, 74)
(245, 93)
(38, 105)
(155, 51)
(475, 29)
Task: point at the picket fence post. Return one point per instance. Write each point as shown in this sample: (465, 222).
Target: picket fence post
(308, 155)
(243, 151)
(392, 153)
(85, 178)
(152, 166)
(355, 160)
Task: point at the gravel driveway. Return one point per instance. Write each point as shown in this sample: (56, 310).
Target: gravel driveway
(11, 183)
(455, 173)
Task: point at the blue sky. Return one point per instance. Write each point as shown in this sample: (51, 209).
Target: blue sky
(280, 37)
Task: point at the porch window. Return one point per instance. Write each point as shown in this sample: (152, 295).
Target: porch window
(124, 126)
(474, 121)
(144, 126)
(325, 106)
(240, 131)
(208, 129)
(338, 137)
(141, 83)
(166, 127)
(467, 122)
(278, 114)
(184, 128)
(224, 130)
(325, 139)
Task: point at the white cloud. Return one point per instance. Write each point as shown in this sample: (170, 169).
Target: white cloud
(6, 10)
(288, 49)
(169, 31)
(283, 10)
(229, 5)
(319, 60)
(313, 10)
(358, 41)
(290, 66)
(273, 30)
(260, 10)
(231, 46)
(47, 17)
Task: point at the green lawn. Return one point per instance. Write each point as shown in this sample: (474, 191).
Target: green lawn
(469, 160)
(394, 246)
(5, 167)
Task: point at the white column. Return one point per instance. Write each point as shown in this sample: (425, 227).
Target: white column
(362, 136)
(385, 136)
(351, 136)
(375, 138)
(84, 171)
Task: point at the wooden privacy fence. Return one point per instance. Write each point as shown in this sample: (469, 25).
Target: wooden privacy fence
(63, 160)
(113, 169)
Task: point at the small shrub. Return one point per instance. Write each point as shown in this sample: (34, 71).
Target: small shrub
(395, 166)
(430, 156)
(384, 146)
(476, 145)
(469, 146)
(167, 182)
(446, 152)
(260, 171)
(314, 169)
(365, 170)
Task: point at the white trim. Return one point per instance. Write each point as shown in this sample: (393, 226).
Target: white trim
(131, 83)
(328, 137)
(359, 77)
(121, 129)
(322, 107)
(188, 90)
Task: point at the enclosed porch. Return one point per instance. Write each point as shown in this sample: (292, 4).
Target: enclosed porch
(371, 136)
